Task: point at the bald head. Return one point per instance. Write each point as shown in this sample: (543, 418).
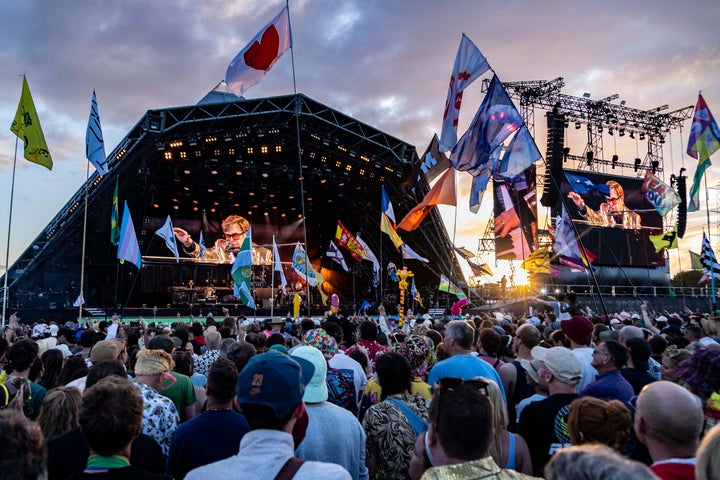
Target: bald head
(670, 417)
(212, 340)
(628, 332)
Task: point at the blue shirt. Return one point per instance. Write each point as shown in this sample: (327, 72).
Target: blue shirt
(465, 366)
(610, 386)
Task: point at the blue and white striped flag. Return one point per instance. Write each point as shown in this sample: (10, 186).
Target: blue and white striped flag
(94, 143)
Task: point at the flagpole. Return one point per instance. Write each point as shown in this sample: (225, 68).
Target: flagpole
(272, 280)
(82, 255)
(712, 277)
(299, 155)
(7, 251)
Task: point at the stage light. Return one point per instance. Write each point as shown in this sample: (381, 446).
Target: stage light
(642, 136)
(637, 164)
(614, 161)
(610, 131)
(662, 139)
(654, 165)
(632, 135)
(577, 125)
(589, 155)
(586, 95)
(622, 132)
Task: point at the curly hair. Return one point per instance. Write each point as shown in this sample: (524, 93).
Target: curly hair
(23, 454)
(592, 420)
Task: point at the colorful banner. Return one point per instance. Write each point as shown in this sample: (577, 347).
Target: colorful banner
(347, 240)
(661, 195)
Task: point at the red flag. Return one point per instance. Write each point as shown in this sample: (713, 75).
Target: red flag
(257, 58)
(347, 240)
(443, 192)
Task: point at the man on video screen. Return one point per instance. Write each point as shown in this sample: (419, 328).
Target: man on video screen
(612, 213)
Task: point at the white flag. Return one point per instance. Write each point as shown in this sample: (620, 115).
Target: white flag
(469, 65)
(166, 232)
(257, 58)
(277, 266)
(410, 254)
(94, 143)
(369, 255)
(79, 301)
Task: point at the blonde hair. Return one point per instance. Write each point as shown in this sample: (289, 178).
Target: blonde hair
(707, 466)
(499, 417)
(592, 420)
(153, 362)
(60, 411)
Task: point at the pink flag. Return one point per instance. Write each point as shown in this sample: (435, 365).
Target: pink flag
(469, 65)
(257, 58)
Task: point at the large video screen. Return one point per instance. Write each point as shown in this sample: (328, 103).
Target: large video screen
(615, 228)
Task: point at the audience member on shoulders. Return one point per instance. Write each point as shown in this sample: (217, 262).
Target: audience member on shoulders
(669, 421)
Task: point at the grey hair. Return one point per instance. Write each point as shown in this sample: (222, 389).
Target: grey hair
(212, 339)
(594, 462)
(461, 332)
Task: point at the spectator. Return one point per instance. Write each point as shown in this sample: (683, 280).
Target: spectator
(461, 364)
(579, 330)
(592, 420)
(342, 361)
(594, 462)
(701, 373)
(708, 460)
(672, 357)
(368, 341)
(508, 450)
(60, 411)
(23, 454)
(542, 423)
(608, 358)
(393, 424)
(104, 350)
(512, 373)
(631, 331)
(179, 388)
(215, 434)
(270, 392)
(334, 434)
(111, 417)
(20, 357)
(669, 420)
(52, 361)
(73, 368)
(636, 370)
(160, 419)
(460, 433)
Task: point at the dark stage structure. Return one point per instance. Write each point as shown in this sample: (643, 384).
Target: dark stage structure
(289, 164)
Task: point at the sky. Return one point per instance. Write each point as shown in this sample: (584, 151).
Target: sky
(384, 62)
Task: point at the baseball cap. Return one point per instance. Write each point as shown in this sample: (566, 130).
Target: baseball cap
(561, 362)
(104, 350)
(316, 391)
(531, 367)
(275, 380)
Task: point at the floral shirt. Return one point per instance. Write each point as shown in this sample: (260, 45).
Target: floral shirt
(204, 361)
(391, 437)
(372, 348)
(160, 417)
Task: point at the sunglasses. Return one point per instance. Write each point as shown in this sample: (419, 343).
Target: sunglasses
(234, 236)
(449, 384)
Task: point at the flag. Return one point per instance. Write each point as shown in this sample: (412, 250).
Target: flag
(695, 262)
(481, 176)
(257, 58)
(447, 286)
(369, 255)
(664, 240)
(410, 254)
(565, 240)
(128, 247)
(661, 195)
(347, 240)
(166, 233)
(114, 214)
(582, 185)
(337, 256)
(277, 266)
(469, 65)
(79, 300)
(365, 305)
(386, 226)
(297, 301)
(703, 142)
(479, 269)
(572, 262)
(519, 155)
(443, 192)
(464, 252)
(710, 265)
(320, 281)
(201, 243)
(302, 268)
(94, 143)
(386, 206)
(432, 164)
(494, 121)
(241, 272)
(415, 293)
(537, 262)
(26, 125)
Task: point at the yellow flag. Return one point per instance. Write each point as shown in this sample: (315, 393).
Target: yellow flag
(26, 126)
(664, 240)
(537, 262)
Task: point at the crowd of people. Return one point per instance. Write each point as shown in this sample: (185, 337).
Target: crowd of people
(628, 396)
